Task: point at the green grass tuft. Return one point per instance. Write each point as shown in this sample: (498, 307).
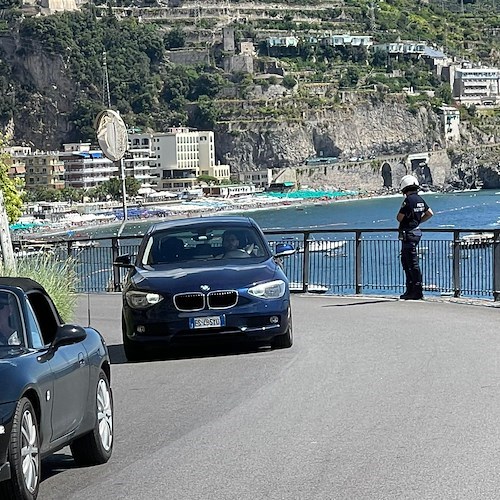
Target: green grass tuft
(58, 277)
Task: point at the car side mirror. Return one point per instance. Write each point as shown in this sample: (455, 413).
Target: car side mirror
(123, 261)
(68, 334)
(284, 249)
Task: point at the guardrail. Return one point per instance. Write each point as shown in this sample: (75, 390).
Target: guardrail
(454, 262)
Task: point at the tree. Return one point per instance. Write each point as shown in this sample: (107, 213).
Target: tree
(132, 186)
(175, 39)
(113, 187)
(444, 93)
(208, 179)
(10, 187)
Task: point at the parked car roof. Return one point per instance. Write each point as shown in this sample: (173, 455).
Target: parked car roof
(25, 284)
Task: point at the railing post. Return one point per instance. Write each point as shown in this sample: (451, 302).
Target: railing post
(456, 263)
(115, 249)
(305, 264)
(496, 265)
(358, 260)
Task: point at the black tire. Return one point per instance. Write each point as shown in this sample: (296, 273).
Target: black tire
(286, 340)
(133, 351)
(24, 455)
(283, 341)
(96, 446)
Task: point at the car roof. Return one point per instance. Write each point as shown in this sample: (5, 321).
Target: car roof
(25, 284)
(229, 220)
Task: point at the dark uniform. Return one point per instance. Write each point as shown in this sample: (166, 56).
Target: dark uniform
(413, 208)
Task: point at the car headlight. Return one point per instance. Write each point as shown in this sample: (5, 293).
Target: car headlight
(142, 300)
(271, 290)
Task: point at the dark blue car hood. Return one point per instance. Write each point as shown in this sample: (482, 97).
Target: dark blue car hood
(185, 278)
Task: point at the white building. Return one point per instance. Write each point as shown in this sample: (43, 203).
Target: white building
(139, 161)
(348, 40)
(181, 156)
(476, 85)
(259, 178)
(86, 168)
(450, 119)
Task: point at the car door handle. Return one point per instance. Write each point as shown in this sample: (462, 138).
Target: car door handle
(81, 359)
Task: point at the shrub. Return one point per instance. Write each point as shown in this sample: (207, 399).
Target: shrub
(58, 277)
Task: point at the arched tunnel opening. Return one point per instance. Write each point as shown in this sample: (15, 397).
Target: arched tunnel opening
(387, 175)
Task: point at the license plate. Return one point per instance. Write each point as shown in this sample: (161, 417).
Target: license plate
(206, 322)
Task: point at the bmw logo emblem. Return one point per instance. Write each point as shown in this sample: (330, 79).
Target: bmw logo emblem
(205, 288)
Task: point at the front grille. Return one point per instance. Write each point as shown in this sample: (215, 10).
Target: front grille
(189, 301)
(222, 299)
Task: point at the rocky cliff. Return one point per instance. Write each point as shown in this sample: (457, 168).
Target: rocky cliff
(358, 127)
(368, 125)
(384, 129)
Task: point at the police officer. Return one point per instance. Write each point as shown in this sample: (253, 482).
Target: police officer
(412, 213)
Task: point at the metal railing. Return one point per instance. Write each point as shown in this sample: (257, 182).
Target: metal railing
(334, 261)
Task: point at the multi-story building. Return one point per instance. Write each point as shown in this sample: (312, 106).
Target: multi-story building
(181, 156)
(348, 40)
(44, 169)
(16, 161)
(401, 48)
(476, 85)
(38, 169)
(259, 178)
(139, 161)
(86, 168)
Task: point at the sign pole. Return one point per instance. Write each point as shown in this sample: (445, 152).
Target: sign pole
(9, 262)
(113, 139)
(124, 189)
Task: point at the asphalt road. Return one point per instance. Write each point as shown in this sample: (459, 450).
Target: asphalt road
(377, 399)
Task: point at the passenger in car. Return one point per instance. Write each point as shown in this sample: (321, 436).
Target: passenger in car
(8, 310)
(231, 245)
(169, 250)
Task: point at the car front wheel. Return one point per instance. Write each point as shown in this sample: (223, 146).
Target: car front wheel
(96, 446)
(24, 455)
(133, 350)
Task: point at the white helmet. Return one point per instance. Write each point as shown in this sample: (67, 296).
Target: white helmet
(408, 181)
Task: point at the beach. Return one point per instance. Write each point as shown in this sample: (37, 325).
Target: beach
(80, 226)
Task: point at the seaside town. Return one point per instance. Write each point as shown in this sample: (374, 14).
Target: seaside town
(170, 185)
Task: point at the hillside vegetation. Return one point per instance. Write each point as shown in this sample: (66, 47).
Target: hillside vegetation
(151, 92)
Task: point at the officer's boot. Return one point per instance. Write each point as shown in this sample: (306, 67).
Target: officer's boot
(409, 292)
(416, 293)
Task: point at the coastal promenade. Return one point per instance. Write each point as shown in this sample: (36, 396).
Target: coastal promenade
(378, 399)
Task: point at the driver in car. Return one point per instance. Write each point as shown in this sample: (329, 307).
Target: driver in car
(231, 246)
(8, 335)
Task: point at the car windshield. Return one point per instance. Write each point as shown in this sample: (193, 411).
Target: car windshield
(204, 243)
(10, 321)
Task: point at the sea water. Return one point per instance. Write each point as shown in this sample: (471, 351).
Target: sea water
(461, 210)
(464, 210)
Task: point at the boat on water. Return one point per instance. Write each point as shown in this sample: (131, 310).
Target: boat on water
(323, 245)
(312, 287)
(478, 240)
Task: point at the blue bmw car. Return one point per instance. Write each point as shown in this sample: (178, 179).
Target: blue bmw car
(205, 278)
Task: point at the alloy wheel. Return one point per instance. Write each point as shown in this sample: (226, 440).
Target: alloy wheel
(104, 414)
(29, 451)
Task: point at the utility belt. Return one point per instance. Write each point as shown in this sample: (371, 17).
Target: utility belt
(406, 234)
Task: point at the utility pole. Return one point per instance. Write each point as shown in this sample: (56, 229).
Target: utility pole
(5, 241)
(371, 11)
(106, 96)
